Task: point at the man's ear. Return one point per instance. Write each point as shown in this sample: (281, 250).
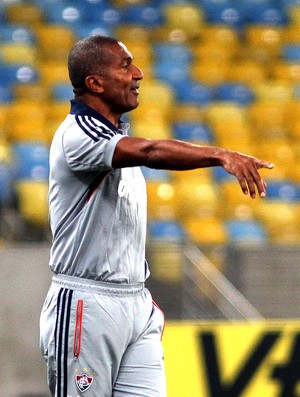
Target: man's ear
(94, 83)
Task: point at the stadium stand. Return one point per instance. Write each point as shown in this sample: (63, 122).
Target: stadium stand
(227, 73)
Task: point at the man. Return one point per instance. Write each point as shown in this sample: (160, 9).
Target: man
(100, 331)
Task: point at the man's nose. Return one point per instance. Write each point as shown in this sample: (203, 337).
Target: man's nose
(137, 73)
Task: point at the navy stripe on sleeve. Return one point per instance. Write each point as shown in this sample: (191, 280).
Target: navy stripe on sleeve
(93, 130)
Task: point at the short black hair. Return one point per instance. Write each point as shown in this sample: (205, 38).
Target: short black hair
(87, 57)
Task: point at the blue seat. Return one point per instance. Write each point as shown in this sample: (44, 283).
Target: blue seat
(17, 34)
(151, 174)
(291, 52)
(166, 231)
(236, 92)
(220, 175)
(283, 190)
(63, 12)
(192, 132)
(223, 12)
(32, 161)
(6, 93)
(245, 232)
(192, 92)
(171, 72)
(91, 28)
(13, 74)
(62, 92)
(6, 184)
(172, 52)
(265, 12)
(141, 14)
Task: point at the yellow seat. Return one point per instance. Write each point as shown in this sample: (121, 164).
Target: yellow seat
(185, 16)
(286, 71)
(211, 52)
(268, 118)
(294, 15)
(132, 33)
(53, 72)
(281, 220)
(274, 90)
(293, 119)
(194, 196)
(188, 112)
(206, 230)
(263, 42)
(160, 199)
(225, 111)
(33, 201)
(11, 52)
(56, 113)
(223, 35)
(156, 130)
(247, 72)
(156, 92)
(291, 34)
(33, 91)
(281, 153)
(54, 41)
(211, 72)
(27, 121)
(26, 13)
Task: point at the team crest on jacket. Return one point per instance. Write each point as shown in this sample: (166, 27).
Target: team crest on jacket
(83, 382)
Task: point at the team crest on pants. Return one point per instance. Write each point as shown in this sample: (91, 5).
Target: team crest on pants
(83, 382)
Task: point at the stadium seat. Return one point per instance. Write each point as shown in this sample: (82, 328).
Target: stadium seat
(211, 72)
(170, 231)
(221, 35)
(53, 72)
(274, 90)
(223, 12)
(283, 190)
(226, 111)
(18, 73)
(194, 196)
(281, 220)
(17, 33)
(241, 94)
(286, 70)
(198, 133)
(263, 42)
(291, 34)
(6, 94)
(6, 183)
(160, 193)
(27, 13)
(206, 231)
(31, 161)
(18, 53)
(142, 14)
(33, 201)
(30, 91)
(54, 42)
(247, 71)
(190, 91)
(265, 13)
(291, 52)
(268, 118)
(186, 16)
(62, 92)
(245, 232)
(209, 51)
(27, 121)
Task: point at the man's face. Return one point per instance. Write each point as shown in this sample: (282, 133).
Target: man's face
(121, 81)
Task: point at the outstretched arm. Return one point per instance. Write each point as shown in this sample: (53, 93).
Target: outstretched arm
(177, 155)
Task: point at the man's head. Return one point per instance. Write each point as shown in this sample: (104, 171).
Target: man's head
(101, 67)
